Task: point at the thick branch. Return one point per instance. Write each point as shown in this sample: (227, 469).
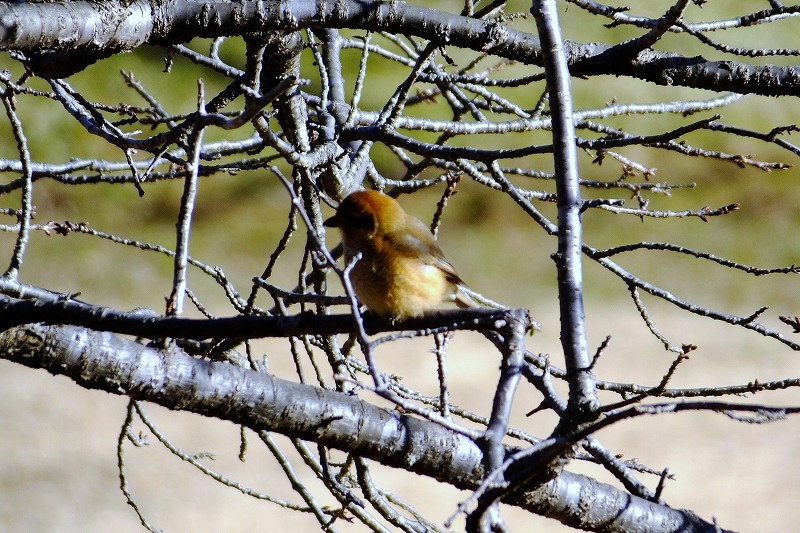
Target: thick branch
(582, 398)
(100, 360)
(102, 26)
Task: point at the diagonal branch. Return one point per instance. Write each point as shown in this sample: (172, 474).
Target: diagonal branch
(100, 360)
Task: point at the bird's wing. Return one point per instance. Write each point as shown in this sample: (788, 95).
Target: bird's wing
(418, 242)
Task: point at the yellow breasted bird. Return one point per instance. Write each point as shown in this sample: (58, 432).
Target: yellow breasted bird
(402, 271)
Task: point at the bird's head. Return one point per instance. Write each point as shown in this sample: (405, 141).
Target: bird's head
(367, 213)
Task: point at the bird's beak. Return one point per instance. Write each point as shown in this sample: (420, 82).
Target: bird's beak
(332, 222)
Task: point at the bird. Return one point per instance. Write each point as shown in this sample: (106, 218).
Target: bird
(402, 272)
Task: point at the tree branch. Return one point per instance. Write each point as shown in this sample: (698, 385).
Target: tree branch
(90, 30)
(144, 323)
(104, 361)
(582, 397)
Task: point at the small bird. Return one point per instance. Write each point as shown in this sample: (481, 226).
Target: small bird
(402, 271)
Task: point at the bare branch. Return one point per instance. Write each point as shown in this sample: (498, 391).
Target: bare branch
(264, 402)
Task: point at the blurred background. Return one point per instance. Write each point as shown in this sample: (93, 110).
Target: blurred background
(58, 447)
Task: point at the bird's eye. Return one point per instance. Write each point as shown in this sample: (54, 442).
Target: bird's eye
(362, 221)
